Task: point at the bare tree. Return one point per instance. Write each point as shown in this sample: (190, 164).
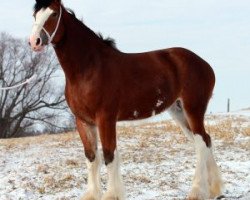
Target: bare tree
(39, 103)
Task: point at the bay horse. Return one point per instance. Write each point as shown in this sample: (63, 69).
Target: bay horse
(105, 85)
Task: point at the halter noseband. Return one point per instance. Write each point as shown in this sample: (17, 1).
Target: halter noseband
(51, 37)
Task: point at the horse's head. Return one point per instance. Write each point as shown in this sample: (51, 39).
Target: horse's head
(47, 27)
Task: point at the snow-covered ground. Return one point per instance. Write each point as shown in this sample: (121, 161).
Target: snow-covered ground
(158, 162)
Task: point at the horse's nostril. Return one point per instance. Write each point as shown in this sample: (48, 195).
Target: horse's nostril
(38, 41)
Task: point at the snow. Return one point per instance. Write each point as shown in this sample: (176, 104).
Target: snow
(158, 163)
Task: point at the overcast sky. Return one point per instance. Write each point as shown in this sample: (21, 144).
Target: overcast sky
(217, 30)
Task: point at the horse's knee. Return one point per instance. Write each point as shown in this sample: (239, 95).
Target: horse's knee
(108, 156)
(90, 155)
(205, 137)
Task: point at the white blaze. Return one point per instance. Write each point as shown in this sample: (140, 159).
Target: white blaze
(41, 17)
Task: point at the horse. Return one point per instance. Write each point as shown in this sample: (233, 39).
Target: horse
(105, 85)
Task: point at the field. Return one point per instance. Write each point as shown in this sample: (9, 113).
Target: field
(158, 162)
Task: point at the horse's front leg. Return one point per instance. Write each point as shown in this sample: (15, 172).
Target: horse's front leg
(115, 188)
(88, 135)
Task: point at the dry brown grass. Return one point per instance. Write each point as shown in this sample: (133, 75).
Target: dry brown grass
(25, 142)
(43, 168)
(152, 128)
(224, 128)
(72, 162)
(228, 129)
(52, 183)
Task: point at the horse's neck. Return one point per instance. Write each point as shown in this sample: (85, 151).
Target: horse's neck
(79, 49)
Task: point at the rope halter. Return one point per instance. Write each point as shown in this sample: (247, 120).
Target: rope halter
(51, 37)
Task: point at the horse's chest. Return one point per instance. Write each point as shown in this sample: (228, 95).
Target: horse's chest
(81, 104)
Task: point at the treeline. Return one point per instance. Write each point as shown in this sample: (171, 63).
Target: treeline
(38, 106)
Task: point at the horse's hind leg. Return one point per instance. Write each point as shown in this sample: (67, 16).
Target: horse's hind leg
(88, 135)
(115, 188)
(177, 113)
(207, 182)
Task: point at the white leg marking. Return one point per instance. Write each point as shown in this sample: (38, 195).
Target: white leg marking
(94, 191)
(180, 117)
(200, 187)
(187, 133)
(214, 177)
(115, 187)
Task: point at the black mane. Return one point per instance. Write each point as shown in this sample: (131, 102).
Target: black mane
(108, 41)
(41, 4)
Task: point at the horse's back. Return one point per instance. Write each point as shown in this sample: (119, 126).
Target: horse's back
(153, 81)
(176, 59)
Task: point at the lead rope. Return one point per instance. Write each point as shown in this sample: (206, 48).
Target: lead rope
(20, 84)
(50, 38)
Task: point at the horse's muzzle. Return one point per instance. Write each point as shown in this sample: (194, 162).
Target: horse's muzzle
(37, 42)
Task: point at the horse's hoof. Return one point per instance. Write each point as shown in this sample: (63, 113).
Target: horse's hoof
(215, 189)
(220, 197)
(90, 196)
(197, 194)
(108, 196)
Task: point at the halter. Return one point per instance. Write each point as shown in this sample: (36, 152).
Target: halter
(51, 37)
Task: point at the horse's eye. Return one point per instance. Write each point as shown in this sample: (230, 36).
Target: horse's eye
(54, 14)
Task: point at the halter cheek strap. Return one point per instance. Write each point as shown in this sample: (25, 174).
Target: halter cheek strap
(51, 37)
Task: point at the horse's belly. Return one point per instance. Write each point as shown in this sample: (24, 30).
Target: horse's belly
(143, 107)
